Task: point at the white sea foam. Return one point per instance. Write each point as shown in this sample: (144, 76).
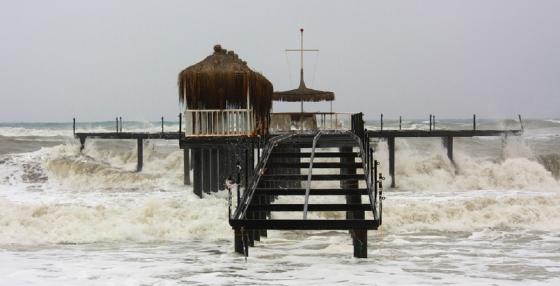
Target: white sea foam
(430, 169)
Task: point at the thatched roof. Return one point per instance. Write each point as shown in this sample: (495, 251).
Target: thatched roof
(302, 93)
(222, 80)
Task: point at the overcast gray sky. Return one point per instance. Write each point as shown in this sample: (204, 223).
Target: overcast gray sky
(98, 59)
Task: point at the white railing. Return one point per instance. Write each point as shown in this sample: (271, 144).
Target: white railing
(295, 121)
(219, 122)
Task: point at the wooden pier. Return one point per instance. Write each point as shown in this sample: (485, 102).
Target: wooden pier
(229, 134)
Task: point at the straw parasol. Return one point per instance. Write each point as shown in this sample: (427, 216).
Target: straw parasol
(302, 93)
(223, 81)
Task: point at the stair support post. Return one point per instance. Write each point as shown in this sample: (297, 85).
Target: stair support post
(391, 145)
(359, 242)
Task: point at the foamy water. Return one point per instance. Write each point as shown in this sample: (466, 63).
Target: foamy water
(71, 218)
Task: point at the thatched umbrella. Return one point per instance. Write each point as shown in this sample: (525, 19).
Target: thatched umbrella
(223, 81)
(302, 93)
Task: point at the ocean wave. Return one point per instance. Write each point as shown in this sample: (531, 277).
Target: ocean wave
(430, 169)
(148, 220)
(539, 212)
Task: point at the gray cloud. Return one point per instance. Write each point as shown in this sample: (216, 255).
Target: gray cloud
(98, 59)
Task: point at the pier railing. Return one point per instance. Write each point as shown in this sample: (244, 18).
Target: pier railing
(294, 121)
(219, 122)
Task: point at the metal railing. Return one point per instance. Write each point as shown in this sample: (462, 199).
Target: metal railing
(219, 122)
(250, 188)
(309, 121)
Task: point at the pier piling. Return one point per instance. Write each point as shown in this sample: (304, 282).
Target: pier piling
(214, 170)
(197, 171)
(359, 241)
(206, 170)
(391, 144)
(140, 156)
(186, 167)
(448, 144)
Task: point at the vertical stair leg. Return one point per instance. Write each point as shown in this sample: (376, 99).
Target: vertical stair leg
(359, 240)
(238, 241)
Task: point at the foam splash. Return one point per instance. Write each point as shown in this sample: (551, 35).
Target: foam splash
(151, 219)
(430, 169)
(539, 212)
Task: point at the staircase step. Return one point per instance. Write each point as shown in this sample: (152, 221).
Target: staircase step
(310, 207)
(310, 224)
(315, 165)
(317, 155)
(312, 192)
(320, 144)
(320, 177)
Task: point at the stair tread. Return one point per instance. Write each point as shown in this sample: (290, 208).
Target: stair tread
(315, 165)
(312, 192)
(317, 154)
(315, 177)
(309, 224)
(310, 207)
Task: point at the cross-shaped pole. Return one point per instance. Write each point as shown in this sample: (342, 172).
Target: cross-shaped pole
(301, 50)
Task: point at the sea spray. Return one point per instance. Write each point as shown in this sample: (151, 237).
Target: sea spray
(430, 169)
(151, 219)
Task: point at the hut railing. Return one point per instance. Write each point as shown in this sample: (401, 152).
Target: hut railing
(219, 122)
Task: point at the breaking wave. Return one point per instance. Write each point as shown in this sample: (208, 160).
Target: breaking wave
(149, 220)
(428, 168)
(96, 195)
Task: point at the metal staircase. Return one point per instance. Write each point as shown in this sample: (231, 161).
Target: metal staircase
(284, 170)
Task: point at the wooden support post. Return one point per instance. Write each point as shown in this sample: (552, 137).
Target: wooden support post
(162, 124)
(74, 126)
(430, 122)
(140, 156)
(186, 167)
(238, 241)
(474, 122)
(434, 122)
(214, 186)
(120, 122)
(197, 171)
(82, 142)
(448, 144)
(263, 200)
(381, 121)
(391, 144)
(359, 241)
(117, 124)
(353, 184)
(180, 121)
(206, 171)
(400, 122)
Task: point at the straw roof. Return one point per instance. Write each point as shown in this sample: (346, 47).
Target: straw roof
(302, 93)
(223, 81)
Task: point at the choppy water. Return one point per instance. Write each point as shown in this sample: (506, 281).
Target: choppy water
(71, 218)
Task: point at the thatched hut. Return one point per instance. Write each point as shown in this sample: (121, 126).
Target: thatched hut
(221, 93)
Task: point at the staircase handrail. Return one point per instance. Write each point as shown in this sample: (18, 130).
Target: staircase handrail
(310, 173)
(243, 206)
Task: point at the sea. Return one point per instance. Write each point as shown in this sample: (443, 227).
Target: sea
(71, 217)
